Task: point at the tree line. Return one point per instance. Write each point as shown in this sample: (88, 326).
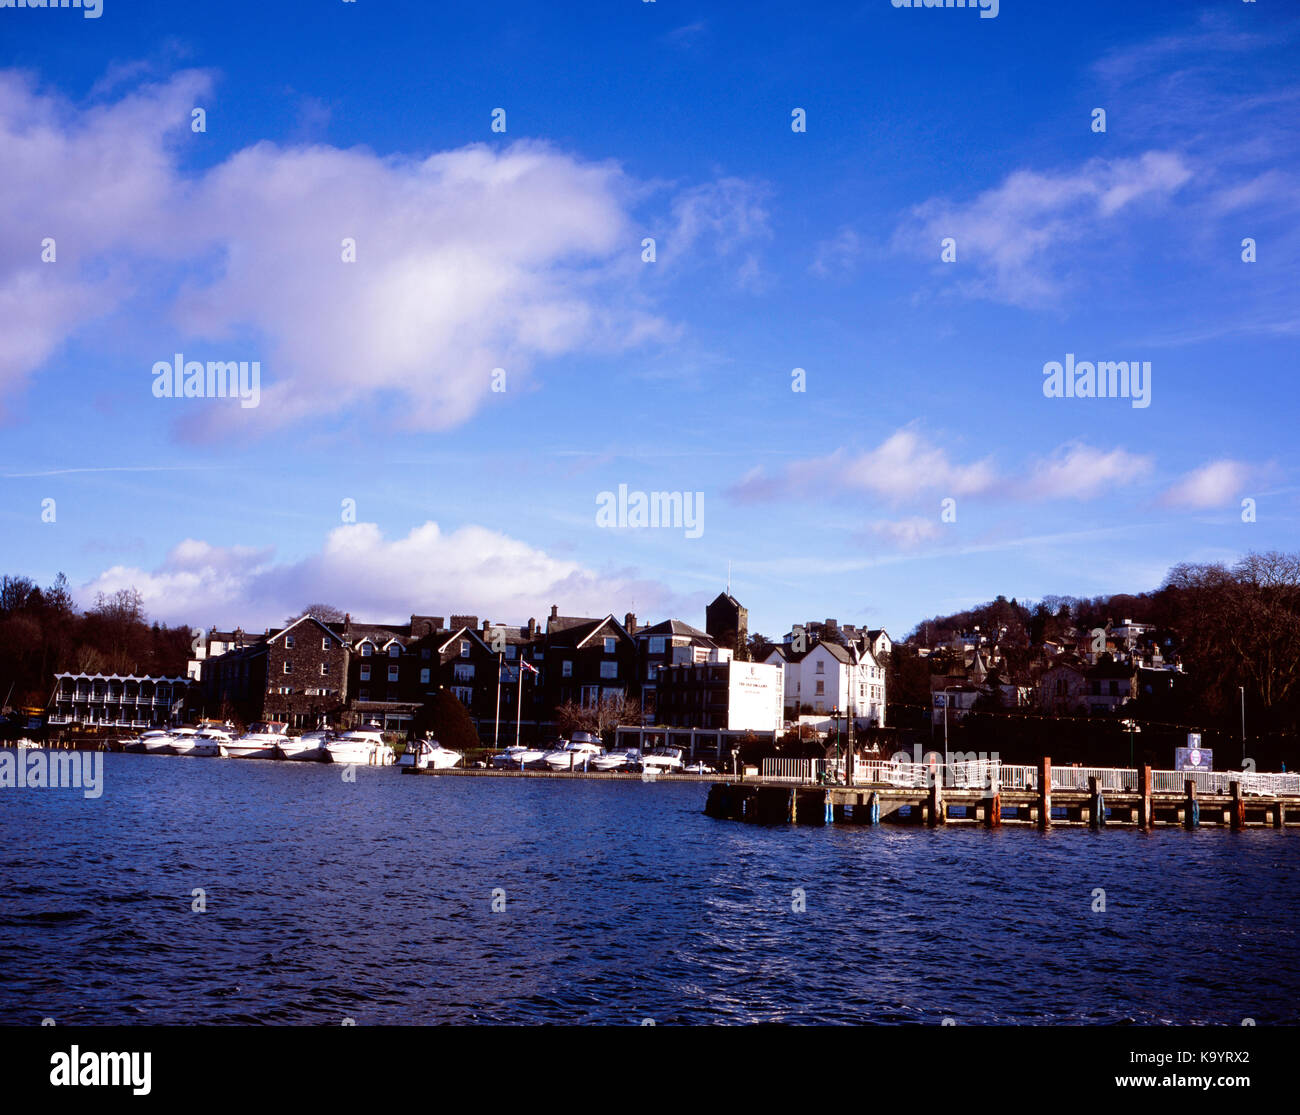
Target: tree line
(43, 632)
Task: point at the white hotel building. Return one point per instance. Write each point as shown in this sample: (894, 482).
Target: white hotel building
(829, 678)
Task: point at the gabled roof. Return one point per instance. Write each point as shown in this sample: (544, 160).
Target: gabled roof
(675, 627)
(597, 625)
(305, 619)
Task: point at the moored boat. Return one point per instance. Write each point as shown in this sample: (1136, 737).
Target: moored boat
(308, 747)
(259, 742)
(429, 754)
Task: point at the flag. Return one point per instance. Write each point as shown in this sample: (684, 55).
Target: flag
(529, 667)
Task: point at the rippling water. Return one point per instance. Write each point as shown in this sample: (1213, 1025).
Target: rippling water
(623, 902)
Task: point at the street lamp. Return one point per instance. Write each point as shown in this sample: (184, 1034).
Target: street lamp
(1243, 725)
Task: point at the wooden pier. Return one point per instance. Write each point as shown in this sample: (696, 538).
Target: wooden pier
(1134, 799)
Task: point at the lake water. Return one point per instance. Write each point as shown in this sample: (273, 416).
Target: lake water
(373, 900)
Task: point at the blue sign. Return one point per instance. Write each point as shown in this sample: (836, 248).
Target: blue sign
(1193, 758)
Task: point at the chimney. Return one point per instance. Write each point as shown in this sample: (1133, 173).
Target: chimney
(532, 628)
(439, 622)
(555, 611)
(629, 621)
(487, 626)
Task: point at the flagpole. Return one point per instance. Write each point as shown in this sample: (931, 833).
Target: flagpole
(496, 728)
(519, 703)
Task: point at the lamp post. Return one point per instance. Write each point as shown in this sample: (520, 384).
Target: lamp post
(1243, 725)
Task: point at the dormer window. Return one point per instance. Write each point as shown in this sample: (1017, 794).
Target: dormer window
(367, 650)
(609, 645)
(394, 651)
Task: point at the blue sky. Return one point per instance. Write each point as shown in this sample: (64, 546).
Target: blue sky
(522, 250)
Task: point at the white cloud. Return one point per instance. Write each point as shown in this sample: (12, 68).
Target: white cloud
(903, 466)
(1011, 234)
(467, 260)
(468, 570)
(907, 534)
(1211, 485)
(1078, 471)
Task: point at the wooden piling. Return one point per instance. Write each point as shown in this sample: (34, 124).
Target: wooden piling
(1145, 815)
(1192, 809)
(1238, 807)
(1096, 810)
(1279, 815)
(1044, 792)
(937, 809)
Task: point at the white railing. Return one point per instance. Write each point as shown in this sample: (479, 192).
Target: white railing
(792, 770)
(1018, 777)
(1108, 778)
(1220, 782)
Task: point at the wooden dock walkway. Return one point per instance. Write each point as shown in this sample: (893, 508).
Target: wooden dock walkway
(1140, 799)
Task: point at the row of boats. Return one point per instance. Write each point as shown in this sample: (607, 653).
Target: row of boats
(584, 752)
(271, 740)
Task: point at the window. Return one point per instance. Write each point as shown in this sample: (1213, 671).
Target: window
(821, 667)
(324, 669)
(463, 671)
(288, 641)
(566, 669)
(464, 648)
(324, 642)
(609, 669)
(424, 677)
(424, 652)
(363, 694)
(394, 651)
(288, 667)
(464, 696)
(610, 644)
(657, 645)
(511, 651)
(367, 650)
(392, 673)
(365, 672)
(821, 688)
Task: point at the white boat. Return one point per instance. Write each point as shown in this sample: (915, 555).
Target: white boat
(616, 760)
(259, 742)
(574, 755)
(173, 742)
(517, 755)
(360, 745)
(308, 747)
(204, 743)
(156, 741)
(698, 767)
(663, 760)
(429, 754)
(27, 745)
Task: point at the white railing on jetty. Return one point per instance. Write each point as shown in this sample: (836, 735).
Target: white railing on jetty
(987, 773)
(1108, 778)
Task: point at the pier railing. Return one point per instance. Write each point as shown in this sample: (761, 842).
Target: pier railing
(989, 773)
(1108, 778)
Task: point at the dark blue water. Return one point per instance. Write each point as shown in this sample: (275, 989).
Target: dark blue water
(372, 900)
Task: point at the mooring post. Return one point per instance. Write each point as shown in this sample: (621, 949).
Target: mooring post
(1193, 816)
(1279, 815)
(1145, 816)
(937, 808)
(1238, 807)
(874, 808)
(1096, 807)
(1044, 792)
(993, 818)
